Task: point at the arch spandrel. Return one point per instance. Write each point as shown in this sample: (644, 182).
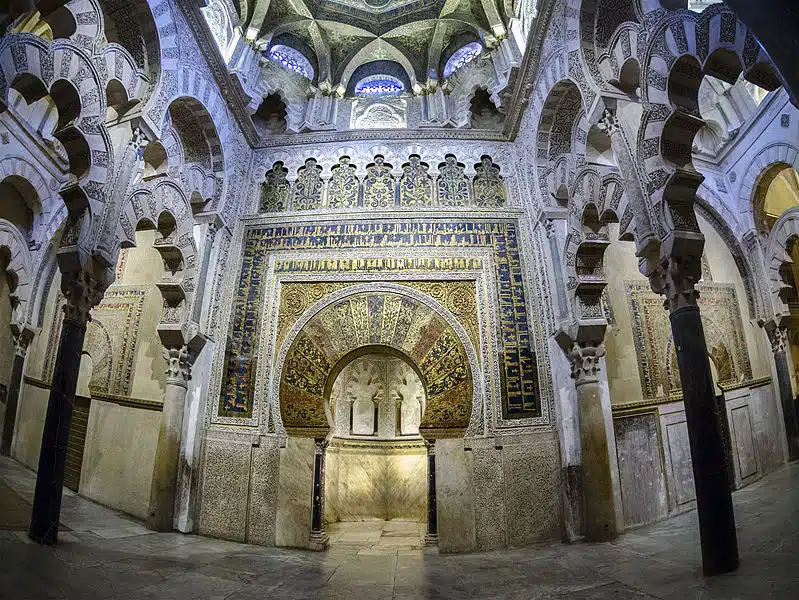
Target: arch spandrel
(388, 318)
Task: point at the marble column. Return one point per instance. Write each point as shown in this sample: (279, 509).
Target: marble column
(22, 339)
(675, 278)
(199, 296)
(599, 506)
(431, 537)
(319, 539)
(167, 456)
(779, 345)
(82, 293)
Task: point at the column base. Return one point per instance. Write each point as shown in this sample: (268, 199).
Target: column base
(319, 541)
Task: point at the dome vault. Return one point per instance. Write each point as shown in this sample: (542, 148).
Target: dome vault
(416, 34)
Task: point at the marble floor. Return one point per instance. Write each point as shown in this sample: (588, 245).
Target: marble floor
(106, 554)
(377, 537)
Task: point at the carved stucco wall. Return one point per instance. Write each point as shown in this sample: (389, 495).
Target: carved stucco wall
(631, 302)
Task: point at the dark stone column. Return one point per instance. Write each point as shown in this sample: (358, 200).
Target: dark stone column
(23, 339)
(319, 539)
(713, 496)
(82, 294)
(431, 537)
(779, 345)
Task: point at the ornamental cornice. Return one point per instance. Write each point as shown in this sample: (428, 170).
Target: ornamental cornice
(224, 80)
(366, 135)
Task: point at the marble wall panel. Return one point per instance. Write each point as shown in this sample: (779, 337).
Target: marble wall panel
(455, 497)
(531, 471)
(119, 455)
(489, 498)
(769, 430)
(225, 482)
(743, 443)
(295, 493)
(364, 483)
(643, 480)
(677, 455)
(264, 478)
(30, 424)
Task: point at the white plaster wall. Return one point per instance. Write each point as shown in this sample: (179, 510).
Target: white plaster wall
(119, 456)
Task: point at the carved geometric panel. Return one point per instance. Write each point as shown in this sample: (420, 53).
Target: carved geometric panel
(721, 319)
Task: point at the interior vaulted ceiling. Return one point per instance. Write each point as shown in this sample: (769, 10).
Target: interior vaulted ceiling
(345, 34)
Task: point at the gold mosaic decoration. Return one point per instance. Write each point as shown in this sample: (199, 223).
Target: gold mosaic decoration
(375, 319)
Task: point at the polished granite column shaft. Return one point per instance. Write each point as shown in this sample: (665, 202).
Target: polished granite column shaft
(431, 537)
(167, 456)
(709, 459)
(779, 346)
(598, 502)
(319, 539)
(53, 455)
(21, 343)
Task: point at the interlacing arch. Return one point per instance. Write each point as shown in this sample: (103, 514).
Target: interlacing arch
(194, 151)
(784, 235)
(682, 49)
(163, 206)
(48, 209)
(596, 199)
(37, 69)
(562, 135)
(608, 35)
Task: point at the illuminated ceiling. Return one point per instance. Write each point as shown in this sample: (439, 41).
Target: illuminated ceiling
(339, 36)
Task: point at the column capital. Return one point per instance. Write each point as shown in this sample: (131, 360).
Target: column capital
(431, 447)
(676, 278)
(778, 337)
(584, 359)
(179, 363)
(23, 336)
(83, 291)
(320, 445)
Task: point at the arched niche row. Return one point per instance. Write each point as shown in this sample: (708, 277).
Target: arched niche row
(414, 183)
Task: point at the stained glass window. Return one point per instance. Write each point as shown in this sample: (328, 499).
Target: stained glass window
(379, 85)
(462, 56)
(291, 59)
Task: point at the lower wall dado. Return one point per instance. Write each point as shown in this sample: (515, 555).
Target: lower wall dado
(491, 492)
(654, 453)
